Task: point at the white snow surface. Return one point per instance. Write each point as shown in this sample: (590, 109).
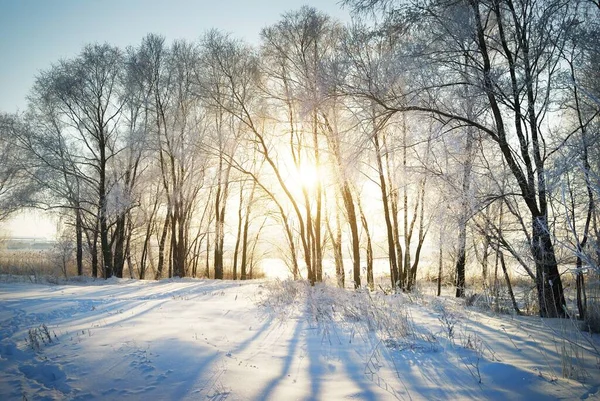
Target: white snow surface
(185, 339)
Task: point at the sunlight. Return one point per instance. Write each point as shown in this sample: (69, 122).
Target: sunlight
(30, 224)
(308, 176)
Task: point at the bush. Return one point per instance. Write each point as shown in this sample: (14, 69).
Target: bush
(591, 321)
(326, 307)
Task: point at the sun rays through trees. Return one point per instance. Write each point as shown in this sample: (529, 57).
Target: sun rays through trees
(439, 139)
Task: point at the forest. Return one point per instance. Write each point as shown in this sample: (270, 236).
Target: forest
(450, 140)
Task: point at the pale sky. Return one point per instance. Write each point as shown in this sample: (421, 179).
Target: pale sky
(36, 33)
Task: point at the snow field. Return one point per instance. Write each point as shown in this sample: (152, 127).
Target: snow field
(278, 340)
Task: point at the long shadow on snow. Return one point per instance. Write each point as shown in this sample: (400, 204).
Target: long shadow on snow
(317, 363)
(146, 290)
(206, 364)
(100, 307)
(347, 359)
(430, 370)
(430, 373)
(291, 352)
(534, 340)
(185, 388)
(60, 315)
(188, 368)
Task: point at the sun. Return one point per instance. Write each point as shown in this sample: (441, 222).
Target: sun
(308, 175)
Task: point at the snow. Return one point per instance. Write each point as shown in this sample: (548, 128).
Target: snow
(185, 339)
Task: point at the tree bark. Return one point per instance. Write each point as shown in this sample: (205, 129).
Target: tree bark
(79, 241)
(161, 247)
(386, 211)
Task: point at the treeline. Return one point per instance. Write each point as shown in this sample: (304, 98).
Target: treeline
(467, 130)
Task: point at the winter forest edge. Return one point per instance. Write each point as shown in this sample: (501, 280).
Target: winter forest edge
(443, 138)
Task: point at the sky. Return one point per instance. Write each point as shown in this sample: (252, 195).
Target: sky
(36, 33)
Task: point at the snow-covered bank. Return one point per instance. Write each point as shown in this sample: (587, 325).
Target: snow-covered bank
(204, 339)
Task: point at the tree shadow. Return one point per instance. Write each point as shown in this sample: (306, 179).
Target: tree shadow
(292, 349)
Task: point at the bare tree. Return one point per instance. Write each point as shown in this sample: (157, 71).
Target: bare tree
(293, 50)
(366, 53)
(577, 189)
(16, 185)
(169, 74)
(84, 96)
(236, 67)
(520, 42)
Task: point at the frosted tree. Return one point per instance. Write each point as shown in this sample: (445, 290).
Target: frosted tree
(177, 124)
(84, 94)
(16, 187)
(510, 50)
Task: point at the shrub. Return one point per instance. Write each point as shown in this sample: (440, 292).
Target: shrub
(591, 321)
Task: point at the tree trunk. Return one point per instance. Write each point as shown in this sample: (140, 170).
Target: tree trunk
(95, 256)
(508, 284)
(79, 241)
(207, 261)
(178, 238)
(119, 244)
(336, 245)
(549, 285)
(484, 260)
(144, 256)
(245, 245)
(440, 263)
(161, 247)
(363, 219)
(460, 269)
(102, 202)
(128, 256)
(461, 254)
(238, 236)
(580, 286)
(220, 208)
(464, 208)
(318, 259)
(386, 212)
(393, 198)
(93, 248)
(218, 251)
(107, 270)
(351, 215)
(412, 279)
(246, 229)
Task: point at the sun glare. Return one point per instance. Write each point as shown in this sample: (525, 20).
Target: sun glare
(308, 176)
(29, 224)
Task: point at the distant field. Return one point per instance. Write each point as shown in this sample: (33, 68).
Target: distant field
(26, 244)
(28, 256)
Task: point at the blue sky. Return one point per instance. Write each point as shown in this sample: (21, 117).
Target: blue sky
(36, 33)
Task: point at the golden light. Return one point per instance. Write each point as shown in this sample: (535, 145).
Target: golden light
(308, 175)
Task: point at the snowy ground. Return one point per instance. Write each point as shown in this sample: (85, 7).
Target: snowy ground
(204, 339)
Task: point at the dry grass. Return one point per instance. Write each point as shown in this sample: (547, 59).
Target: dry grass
(28, 262)
(38, 263)
(257, 273)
